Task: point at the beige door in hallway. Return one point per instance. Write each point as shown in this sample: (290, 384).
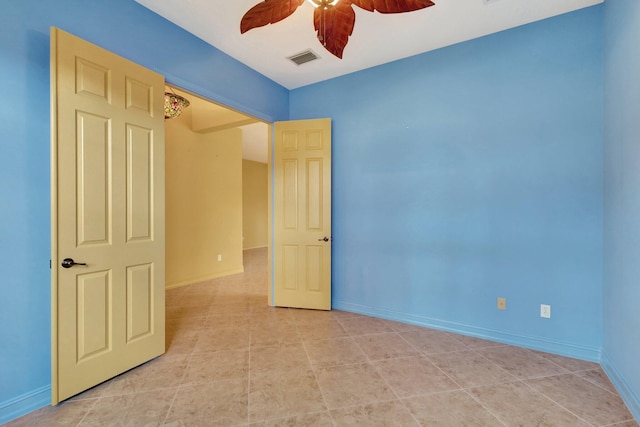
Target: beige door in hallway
(302, 214)
(107, 215)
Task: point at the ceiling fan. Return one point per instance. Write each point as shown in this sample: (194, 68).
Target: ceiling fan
(333, 19)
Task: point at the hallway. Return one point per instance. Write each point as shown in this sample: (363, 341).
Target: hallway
(234, 361)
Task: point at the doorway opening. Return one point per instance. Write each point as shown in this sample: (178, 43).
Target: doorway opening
(216, 191)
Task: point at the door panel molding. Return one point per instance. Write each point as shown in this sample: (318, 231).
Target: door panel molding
(301, 244)
(107, 201)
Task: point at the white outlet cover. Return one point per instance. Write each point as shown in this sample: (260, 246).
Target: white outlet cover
(545, 311)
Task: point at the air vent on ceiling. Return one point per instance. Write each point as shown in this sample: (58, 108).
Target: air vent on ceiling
(302, 57)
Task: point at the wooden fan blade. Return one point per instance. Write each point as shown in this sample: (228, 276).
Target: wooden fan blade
(334, 26)
(268, 12)
(392, 6)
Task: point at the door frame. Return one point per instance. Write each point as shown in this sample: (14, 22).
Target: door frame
(53, 96)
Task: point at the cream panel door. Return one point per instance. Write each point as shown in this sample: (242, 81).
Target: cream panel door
(302, 214)
(108, 215)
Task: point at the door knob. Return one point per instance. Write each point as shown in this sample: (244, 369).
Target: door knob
(69, 262)
(324, 239)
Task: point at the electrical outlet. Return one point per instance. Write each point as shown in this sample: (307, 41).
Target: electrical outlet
(545, 311)
(219, 257)
(502, 303)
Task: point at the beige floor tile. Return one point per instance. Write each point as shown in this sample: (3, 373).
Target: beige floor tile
(231, 360)
(311, 316)
(221, 403)
(191, 300)
(339, 314)
(626, 424)
(599, 378)
(320, 329)
(213, 339)
(176, 292)
(333, 352)
(385, 346)
(351, 385)
(186, 323)
(180, 343)
(364, 325)
(260, 319)
(475, 343)
(278, 377)
(186, 312)
(470, 369)
(317, 419)
(273, 333)
(225, 298)
(176, 327)
(224, 321)
(430, 341)
(582, 397)
(413, 376)
(450, 409)
(93, 392)
(265, 314)
(403, 327)
(517, 404)
(65, 414)
(228, 308)
(521, 363)
(281, 357)
(283, 394)
(568, 363)
(142, 409)
(162, 372)
(383, 414)
(208, 287)
(217, 366)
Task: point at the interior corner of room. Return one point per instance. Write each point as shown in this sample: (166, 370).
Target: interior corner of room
(500, 167)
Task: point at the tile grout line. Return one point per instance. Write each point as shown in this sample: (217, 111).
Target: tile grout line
(389, 385)
(485, 408)
(249, 374)
(595, 383)
(166, 417)
(315, 376)
(525, 382)
(460, 388)
(88, 411)
(232, 296)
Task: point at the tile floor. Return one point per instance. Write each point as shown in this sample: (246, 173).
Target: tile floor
(233, 361)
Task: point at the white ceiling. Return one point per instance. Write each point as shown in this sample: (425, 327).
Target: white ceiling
(376, 38)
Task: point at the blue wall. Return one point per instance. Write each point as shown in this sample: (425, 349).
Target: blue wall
(25, 231)
(470, 173)
(621, 344)
(460, 175)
